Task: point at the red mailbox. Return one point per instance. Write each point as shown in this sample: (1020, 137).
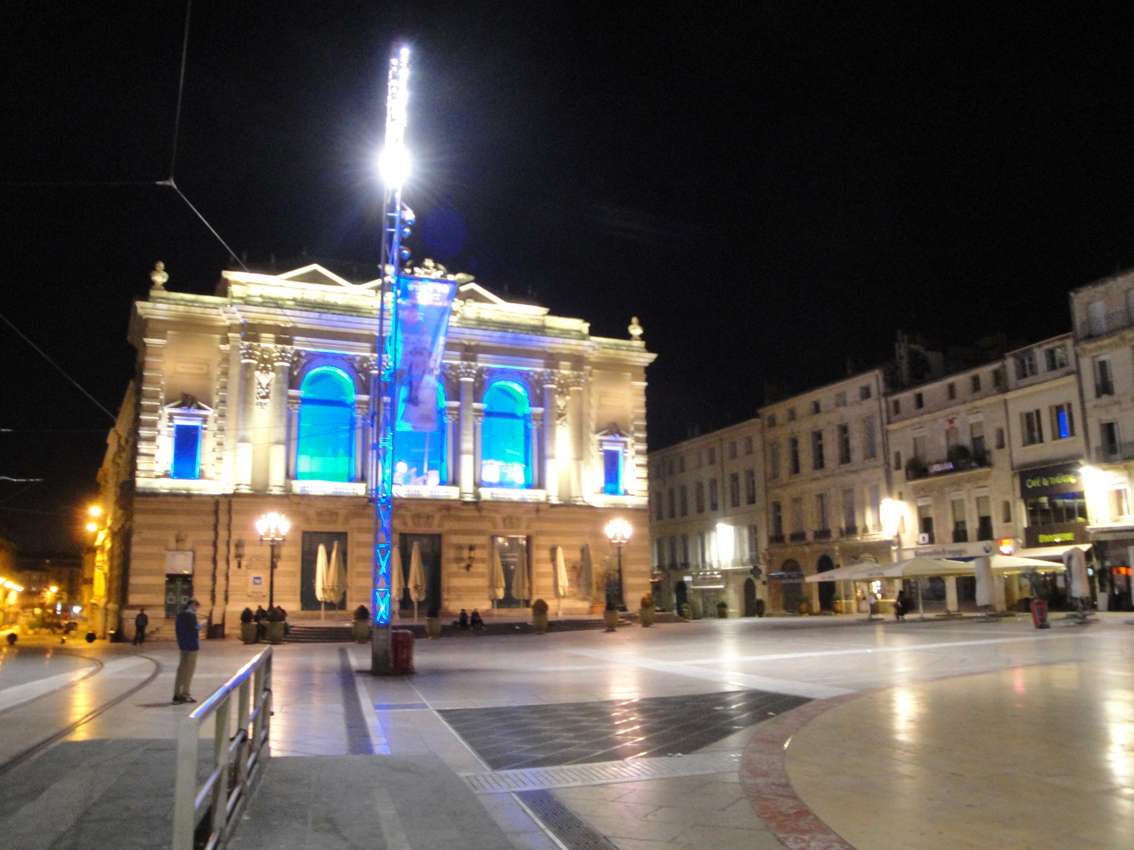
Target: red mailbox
(1039, 614)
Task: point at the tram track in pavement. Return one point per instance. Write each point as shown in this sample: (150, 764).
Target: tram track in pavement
(27, 754)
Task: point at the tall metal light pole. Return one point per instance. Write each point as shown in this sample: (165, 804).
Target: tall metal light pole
(618, 532)
(394, 167)
(273, 530)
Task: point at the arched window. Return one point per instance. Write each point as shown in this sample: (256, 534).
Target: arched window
(326, 427)
(419, 456)
(505, 437)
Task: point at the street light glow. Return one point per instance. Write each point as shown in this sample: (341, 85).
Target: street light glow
(394, 166)
(618, 530)
(95, 510)
(272, 526)
(92, 526)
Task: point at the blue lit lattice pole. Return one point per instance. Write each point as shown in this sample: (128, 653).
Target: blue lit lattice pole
(394, 166)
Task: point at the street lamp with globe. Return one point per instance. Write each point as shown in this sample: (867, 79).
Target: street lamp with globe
(273, 528)
(618, 532)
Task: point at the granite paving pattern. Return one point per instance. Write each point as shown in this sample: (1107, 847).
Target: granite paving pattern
(512, 737)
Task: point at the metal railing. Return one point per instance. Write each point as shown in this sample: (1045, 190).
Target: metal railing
(209, 813)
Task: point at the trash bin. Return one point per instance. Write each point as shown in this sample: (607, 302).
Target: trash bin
(1039, 614)
(401, 648)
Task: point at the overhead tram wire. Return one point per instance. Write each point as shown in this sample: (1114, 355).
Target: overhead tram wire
(169, 181)
(60, 369)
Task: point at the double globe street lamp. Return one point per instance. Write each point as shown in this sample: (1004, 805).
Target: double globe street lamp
(618, 532)
(273, 528)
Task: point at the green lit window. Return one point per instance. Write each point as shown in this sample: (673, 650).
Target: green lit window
(506, 437)
(326, 427)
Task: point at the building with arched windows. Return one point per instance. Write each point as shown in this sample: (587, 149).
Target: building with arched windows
(257, 399)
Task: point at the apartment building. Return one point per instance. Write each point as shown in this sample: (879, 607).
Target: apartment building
(1102, 315)
(1047, 444)
(707, 531)
(825, 464)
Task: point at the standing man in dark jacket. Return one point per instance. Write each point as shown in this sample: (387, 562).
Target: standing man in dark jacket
(188, 642)
(140, 623)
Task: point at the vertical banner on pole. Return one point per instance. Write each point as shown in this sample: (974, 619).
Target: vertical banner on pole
(424, 308)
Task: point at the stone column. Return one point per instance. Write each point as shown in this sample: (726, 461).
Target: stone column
(244, 432)
(467, 463)
(577, 429)
(361, 415)
(537, 468)
(277, 453)
(951, 595)
(293, 401)
(551, 419)
(478, 421)
(452, 442)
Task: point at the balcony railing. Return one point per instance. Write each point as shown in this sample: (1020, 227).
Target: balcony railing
(1114, 452)
(960, 459)
(823, 534)
(960, 535)
(850, 531)
(775, 538)
(798, 536)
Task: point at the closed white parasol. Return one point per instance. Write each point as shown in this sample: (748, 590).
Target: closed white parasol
(416, 577)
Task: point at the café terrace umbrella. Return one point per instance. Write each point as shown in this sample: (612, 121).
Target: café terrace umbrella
(397, 579)
(495, 572)
(910, 568)
(416, 577)
(561, 583)
(322, 588)
(586, 573)
(336, 576)
(521, 587)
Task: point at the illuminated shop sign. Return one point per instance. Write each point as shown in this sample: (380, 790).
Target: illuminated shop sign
(1050, 481)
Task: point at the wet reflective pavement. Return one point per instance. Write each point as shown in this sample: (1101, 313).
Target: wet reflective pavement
(932, 729)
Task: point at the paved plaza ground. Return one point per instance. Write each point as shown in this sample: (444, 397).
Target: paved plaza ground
(812, 732)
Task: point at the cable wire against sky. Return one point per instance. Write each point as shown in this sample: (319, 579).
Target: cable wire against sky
(60, 369)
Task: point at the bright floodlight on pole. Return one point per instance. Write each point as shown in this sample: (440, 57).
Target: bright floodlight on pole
(394, 167)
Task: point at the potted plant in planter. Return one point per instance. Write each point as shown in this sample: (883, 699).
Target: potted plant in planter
(247, 627)
(804, 607)
(275, 627)
(539, 616)
(360, 627)
(837, 603)
(687, 611)
(433, 623)
(647, 613)
(722, 610)
(760, 607)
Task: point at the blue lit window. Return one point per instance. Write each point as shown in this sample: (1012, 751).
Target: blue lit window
(1063, 422)
(420, 456)
(325, 450)
(505, 437)
(612, 471)
(186, 450)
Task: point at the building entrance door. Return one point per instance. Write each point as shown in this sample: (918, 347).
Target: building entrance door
(308, 601)
(178, 592)
(513, 552)
(826, 588)
(749, 598)
(430, 546)
(680, 598)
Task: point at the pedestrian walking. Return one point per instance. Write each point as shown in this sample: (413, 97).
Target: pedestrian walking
(188, 641)
(140, 623)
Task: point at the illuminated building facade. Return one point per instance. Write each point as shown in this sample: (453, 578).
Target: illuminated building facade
(824, 458)
(1102, 315)
(707, 528)
(255, 399)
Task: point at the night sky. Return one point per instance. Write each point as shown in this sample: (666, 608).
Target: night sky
(772, 188)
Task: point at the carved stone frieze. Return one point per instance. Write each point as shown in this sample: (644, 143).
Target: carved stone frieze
(263, 386)
(562, 401)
